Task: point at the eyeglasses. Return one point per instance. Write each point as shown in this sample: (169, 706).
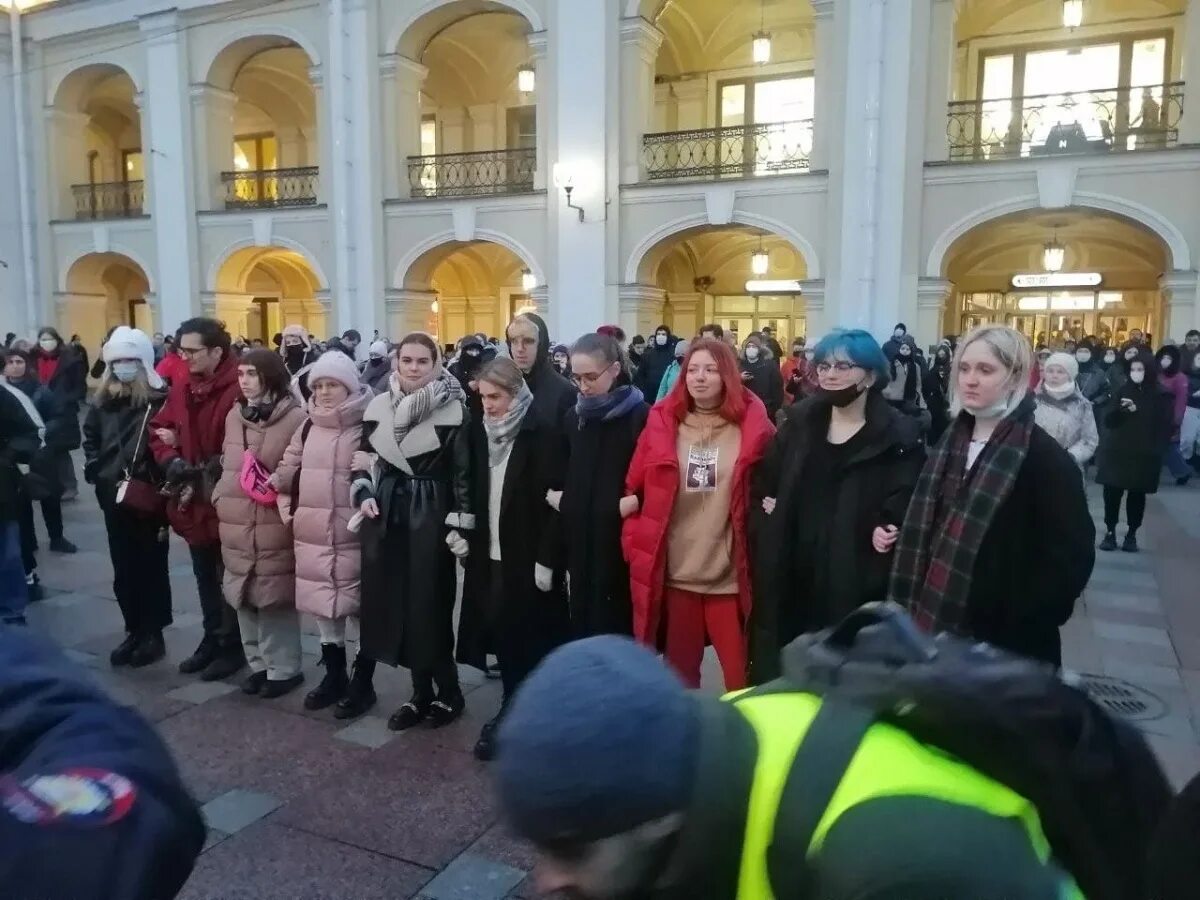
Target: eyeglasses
(841, 368)
(590, 378)
(191, 351)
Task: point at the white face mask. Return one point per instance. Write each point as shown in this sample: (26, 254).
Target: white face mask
(661, 340)
(1083, 356)
(752, 353)
(1165, 362)
(125, 371)
(48, 344)
(1110, 358)
(1137, 377)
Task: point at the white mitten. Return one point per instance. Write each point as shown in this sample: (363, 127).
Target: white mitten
(458, 544)
(543, 578)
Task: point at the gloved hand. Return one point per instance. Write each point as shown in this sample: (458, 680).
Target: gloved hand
(89, 472)
(543, 577)
(178, 470)
(458, 544)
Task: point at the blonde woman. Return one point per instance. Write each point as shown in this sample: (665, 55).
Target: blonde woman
(997, 542)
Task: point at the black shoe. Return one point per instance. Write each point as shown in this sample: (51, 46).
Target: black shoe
(492, 673)
(333, 686)
(62, 545)
(150, 649)
(360, 693)
(254, 683)
(273, 689)
(33, 587)
(205, 653)
(1129, 545)
(229, 662)
(70, 496)
(1183, 480)
(443, 711)
(1110, 542)
(411, 714)
(124, 652)
(485, 747)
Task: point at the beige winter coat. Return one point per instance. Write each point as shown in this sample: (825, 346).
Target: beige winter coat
(328, 558)
(256, 547)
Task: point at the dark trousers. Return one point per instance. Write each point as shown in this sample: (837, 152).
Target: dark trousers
(523, 641)
(220, 619)
(1135, 508)
(66, 475)
(14, 595)
(138, 548)
(444, 674)
(51, 513)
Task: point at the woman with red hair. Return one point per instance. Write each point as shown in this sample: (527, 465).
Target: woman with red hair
(685, 512)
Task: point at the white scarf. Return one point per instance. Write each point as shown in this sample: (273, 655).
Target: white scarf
(503, 431)
(30, 409)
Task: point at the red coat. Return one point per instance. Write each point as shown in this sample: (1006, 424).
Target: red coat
(654, 477)
(196, 412)
(173, 368)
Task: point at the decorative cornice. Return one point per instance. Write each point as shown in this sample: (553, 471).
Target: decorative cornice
(823, 9)
(639, 31)
(539, 44)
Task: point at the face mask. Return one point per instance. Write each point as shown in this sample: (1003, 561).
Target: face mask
(1083, 356)
(661, 340)
(48, 344)
(752, 353)
(125, 372)
(1110, 357)
(1137, 377)
(842, 397)
(375, 358)
(898, 334)
(1165, 362)
(797, 352)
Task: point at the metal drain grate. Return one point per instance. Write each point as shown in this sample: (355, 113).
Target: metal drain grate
(1121, 698)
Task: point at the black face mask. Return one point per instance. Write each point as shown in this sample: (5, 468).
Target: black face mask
(797, 353)
(843, 397)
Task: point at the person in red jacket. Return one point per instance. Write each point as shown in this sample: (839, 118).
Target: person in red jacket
(685, 512)
(187, 437)
(172, 366)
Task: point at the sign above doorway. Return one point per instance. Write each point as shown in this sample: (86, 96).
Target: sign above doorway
(1057, 279)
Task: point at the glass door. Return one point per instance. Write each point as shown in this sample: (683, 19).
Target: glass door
(776, 117)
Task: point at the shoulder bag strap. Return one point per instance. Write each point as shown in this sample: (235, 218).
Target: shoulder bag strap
(295, 499)
(137, 445)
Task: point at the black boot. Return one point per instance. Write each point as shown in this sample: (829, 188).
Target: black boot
(205, 653)
(33, 586)
(229, 661)
(1110, 541)
(360, 695)
(61, 545)
(150, 649)
(410, 715)
(272, 689)
(446, 708)
(333, 686)
(124, 651)
(485, 747)
(1129, 545)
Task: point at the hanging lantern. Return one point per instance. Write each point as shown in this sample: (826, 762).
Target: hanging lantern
(1054, 255)
(760, 261)
(760, 48)
(526, 79)
(528, 280)
(433, 307)
(1072, 13)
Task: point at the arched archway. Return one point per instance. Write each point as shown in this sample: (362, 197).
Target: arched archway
(262, 124)
(1108, 283)
(100, 291)
(468, 286)
(259, 290)
(467, 103)
(95, 135)
(742, 277)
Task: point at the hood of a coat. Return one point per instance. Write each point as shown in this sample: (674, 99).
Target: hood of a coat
(349, 414)
(282, 408)
(543, 351)
(222, 377)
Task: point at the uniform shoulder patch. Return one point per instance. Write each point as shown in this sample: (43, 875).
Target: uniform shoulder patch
(77, 797)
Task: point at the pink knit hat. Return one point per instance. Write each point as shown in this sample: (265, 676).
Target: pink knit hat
(339, 367)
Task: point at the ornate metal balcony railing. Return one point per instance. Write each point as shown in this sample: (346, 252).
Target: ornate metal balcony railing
(770, 148)
(270, 188)
(109, 199)
(1116, 119)
(474, 174)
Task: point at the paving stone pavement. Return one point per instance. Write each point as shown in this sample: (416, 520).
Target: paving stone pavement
(301, 806)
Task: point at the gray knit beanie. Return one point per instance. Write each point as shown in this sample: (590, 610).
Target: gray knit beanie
(601, 738)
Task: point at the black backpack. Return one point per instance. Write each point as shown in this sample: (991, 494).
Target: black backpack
(1097, 786)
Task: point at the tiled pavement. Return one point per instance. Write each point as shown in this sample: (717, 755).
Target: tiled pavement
(301, 806)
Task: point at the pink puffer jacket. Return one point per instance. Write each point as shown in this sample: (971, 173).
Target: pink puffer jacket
(328, 559)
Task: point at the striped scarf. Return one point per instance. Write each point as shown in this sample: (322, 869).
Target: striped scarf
(410, 409)
(950, 513)
(503, 431)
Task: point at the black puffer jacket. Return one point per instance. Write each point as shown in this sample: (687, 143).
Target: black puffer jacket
(654, 363)
(19, 444)
(69, 384)
(61, 434)
(111, 430)
(1134, 442)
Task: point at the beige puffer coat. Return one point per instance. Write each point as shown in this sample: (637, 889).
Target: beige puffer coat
(328, 558)
(256, 547)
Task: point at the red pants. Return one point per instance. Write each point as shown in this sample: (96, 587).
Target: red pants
(693, 617)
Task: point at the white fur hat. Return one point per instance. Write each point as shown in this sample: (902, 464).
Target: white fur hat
(337, 366)
(130, 343)
(1067, 361)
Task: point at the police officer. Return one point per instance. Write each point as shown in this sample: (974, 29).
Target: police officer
(91, 804)
(631, 786)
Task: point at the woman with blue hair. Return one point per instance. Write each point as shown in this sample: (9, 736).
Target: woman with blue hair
(833, 489)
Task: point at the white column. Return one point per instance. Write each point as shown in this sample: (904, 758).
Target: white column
(539, 52)
(212, 126)
(1189, 126)
(292, 147)
(452, 120)
(483, 126)
(171, 200)
(641, 308)
(324, 160)
(941, 65)
(691, 99)
(639, 49)
(584, 47)
(393, 131)
(825, 83)
(1181, 303)
(932, 294)
(410, 76)
(408, 311)
(68, 158)
(816, 325)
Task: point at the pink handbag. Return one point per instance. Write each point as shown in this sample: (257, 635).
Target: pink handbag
(254, 477)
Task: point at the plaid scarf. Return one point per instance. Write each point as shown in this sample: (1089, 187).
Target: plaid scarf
(411, 409)
(951, 511)
(503, 431)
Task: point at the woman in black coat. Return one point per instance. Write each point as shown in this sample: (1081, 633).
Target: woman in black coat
(418, 484)
(760, 373)
(656, 359)
(833, 489)
(1133, 444)
(602, 431)
(514, 598)
(997, 543)
(60, 368)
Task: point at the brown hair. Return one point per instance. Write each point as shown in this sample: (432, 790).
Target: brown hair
(276, 380)
(504, 374)
(424, 340)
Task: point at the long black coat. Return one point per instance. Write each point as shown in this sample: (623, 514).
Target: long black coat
(592, 490)
(69, 387)
(1036, 557)
(873, 489)
(527, 621)
(61, 435)
(1133, 444)
(110, 433)
(655, 362)
(765, 382)
(409, 576)
(19, 444)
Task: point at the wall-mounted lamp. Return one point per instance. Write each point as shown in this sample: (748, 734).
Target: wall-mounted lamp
(526, 79)
(433, 307)
(564, 178)
(1072, 13)
(528, 280)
